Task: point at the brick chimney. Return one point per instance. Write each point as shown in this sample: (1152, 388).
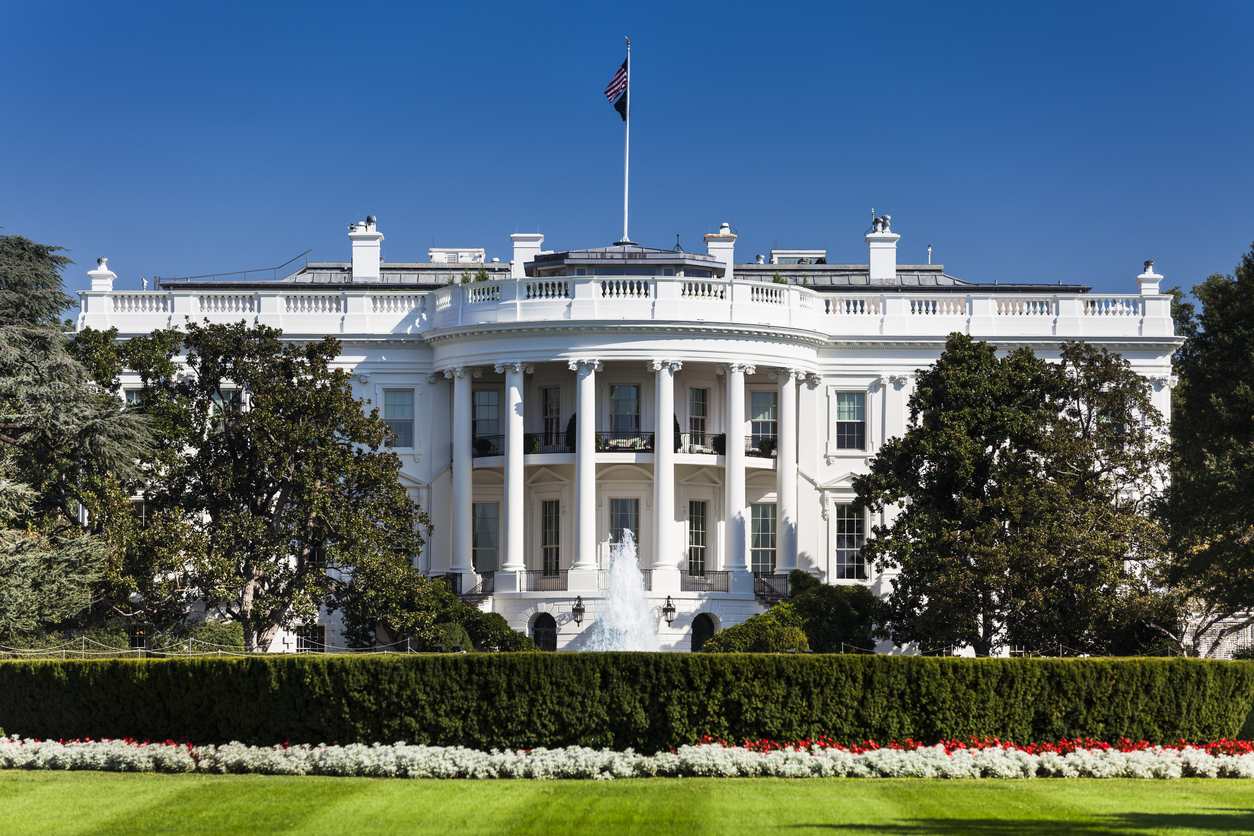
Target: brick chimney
(367, 248)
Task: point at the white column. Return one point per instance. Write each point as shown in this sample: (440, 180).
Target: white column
(463, 474)
(786, 472)
(665, 554)
(735, 560)
(514, 471)
(583, 575)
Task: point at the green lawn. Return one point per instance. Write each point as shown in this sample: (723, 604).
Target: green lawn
(50, 804)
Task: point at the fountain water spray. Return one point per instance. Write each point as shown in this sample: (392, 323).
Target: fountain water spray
(627, 621)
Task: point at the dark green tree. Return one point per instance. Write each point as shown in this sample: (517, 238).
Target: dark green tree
(777, 630)
(835, 618)
(1017, 500)
(61, 438)
(1211, 499)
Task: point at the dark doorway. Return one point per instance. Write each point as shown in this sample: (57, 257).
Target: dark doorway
(544, 632)
(702, 630)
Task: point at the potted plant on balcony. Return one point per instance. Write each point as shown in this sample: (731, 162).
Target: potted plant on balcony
(720, 444)
(570, 433)
(766, 447)
(484, 446)
(533, 443)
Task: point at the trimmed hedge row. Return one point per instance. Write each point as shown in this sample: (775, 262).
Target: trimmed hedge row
(646, 701)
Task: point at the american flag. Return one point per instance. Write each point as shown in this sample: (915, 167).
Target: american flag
(618, 85)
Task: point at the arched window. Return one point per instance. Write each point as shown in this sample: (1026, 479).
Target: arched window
(544, 632)
(703, 630)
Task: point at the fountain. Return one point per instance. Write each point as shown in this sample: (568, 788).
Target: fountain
(627, 622)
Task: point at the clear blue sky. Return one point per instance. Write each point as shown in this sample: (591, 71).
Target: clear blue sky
(1024, 142)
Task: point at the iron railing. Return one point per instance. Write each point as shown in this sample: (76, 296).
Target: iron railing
(704, 582)
(483, 590)
(453, 580)
(488, 445)
(761, 446)
(698, 443)
(537, 580)
(770, 588)
(545, 443)
(624, 441)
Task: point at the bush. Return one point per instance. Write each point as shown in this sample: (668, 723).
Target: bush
(834, 618)
(775, 631)
(448, 636)
(649, 701)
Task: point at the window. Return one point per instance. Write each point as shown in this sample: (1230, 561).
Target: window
(138, 635)
(142, 511)
(487, 412)
(222, 402)
(551, 399)
(625, 408)
(485, 536)
(544, 632)
(762, 537)
(133, 397)
(550, 535)
(698, 413)
(762, 415)
(849, 564)
(624, 515)
(850, 421)
(702, 631)
(398, 413)
(311, 638)
(696, 538)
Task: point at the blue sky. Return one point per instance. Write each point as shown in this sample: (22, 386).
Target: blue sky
(1025, 142)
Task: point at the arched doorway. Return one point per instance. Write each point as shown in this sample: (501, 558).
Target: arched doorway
(544, 632)
(703, 629)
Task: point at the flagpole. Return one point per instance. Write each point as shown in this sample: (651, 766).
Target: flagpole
(627, 145)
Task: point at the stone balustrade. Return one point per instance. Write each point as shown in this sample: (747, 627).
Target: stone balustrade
(386, 310)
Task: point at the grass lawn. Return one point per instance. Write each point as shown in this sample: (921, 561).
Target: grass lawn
(55, 803)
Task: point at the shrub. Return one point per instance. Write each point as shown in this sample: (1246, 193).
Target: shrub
(834, 618)
(451, 635)
(649, 701)
(776, 631)
(571, 433)
(720, 444)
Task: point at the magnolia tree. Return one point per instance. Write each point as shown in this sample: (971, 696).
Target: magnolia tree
(1018, 503)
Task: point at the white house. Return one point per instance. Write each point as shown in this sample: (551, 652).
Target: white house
(721, 415)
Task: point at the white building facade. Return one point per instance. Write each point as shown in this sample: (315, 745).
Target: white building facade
(717, 413)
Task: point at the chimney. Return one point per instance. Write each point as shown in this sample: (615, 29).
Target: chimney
(366, 250)
(1148, 280)
(722, 245)
(102, 277)
(883, 245)
(526, 248)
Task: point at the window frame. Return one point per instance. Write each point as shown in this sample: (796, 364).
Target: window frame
(755, 520)
(848, 428)
(396, 439)
(849, 564)
(699, 553)
(475, 549)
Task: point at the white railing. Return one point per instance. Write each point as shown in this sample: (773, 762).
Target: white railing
(854, 305)
(478, 294)
(147, 303)
(703, 290)
(397, 302)
(309, 303)
(626, 288)
(1024, 306)
(939, 306)
(767, 294)
(1113, 306)
(228, 303)
(443, 299)
(550, 289)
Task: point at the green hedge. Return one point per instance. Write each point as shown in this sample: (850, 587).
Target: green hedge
(646, 701)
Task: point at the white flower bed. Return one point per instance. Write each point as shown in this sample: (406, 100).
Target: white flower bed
(402, 760)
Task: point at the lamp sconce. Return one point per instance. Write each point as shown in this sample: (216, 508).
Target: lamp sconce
(577, 611)
(668, 611)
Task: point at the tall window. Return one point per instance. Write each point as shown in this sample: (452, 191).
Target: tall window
(550, 534)
(762, 540)
(625, 514)
(762, 415)
(487, 412)
(624, 408)
(698, 413)
(544, 632)
(222, 402)
(850, 421)
(849, 563)
(696, 538)
(551, 396)
(133, 396)
(486, 536)
(311, 638)
(398, 413)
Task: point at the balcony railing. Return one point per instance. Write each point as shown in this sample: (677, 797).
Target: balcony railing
(761, 446)
(703, 582)
(537, 580)
(770, 588)
(708, 443)
(624, 441)
(545, 443)
(453, 580)
(488, 445)
(483, 590)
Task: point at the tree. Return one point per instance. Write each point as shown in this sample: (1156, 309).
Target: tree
(276, 476)
(61, 439)
(775, 631)
(834, 618)
(1017, 499)
(1210, 507)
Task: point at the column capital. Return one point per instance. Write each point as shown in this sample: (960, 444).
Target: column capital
(525, 368)
(899, 381)
(813, 380)
(595, 365)
(731, 368)
(435, 377)
(776, 374)
(658, 365)
(462, 371)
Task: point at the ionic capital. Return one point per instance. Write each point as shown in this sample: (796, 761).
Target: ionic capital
(786, 373)
(434, 376)
(659, 365)
(526, 368)
(899, 381)
(732, 368)
(462, 371)
(591, 365)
